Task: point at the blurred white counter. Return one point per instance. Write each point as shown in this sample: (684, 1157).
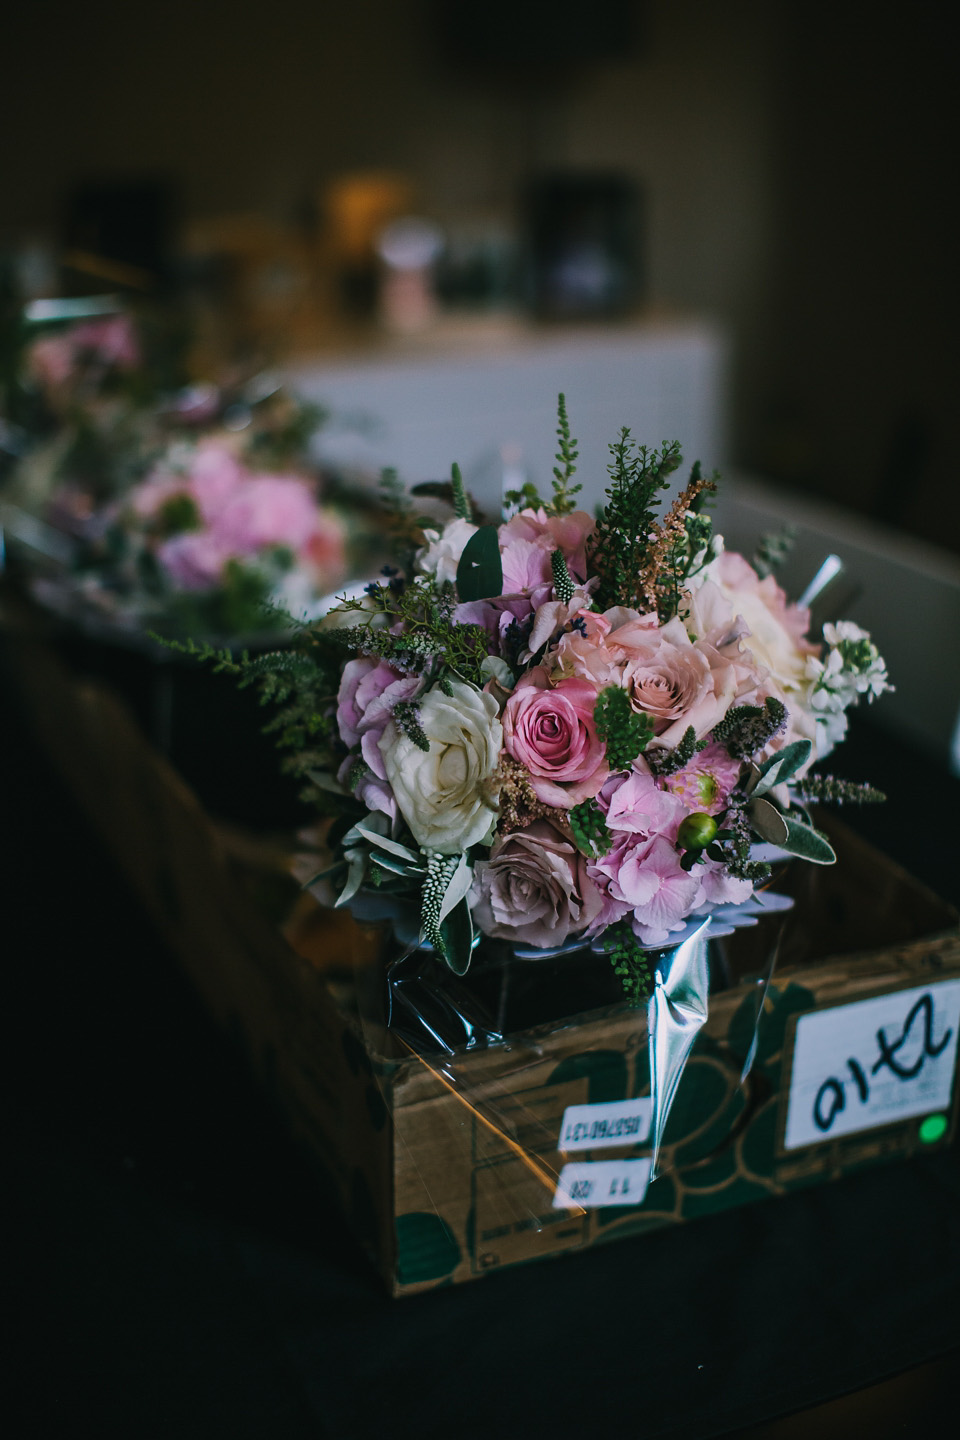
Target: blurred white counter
(485, 395)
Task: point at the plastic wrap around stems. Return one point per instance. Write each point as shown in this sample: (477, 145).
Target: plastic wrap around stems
(676, 1011)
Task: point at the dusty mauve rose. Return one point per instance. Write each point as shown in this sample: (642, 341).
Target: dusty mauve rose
(550, 730)
(444, 792)
(534, 889)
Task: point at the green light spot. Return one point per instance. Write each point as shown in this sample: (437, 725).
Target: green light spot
(933, 1128)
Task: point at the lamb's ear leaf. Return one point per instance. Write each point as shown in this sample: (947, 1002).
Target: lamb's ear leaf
(808, 844)
(781, 766)
(768, 822)
(480, 572)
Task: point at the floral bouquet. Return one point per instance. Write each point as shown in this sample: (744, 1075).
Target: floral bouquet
(183, 508)
(563, 729)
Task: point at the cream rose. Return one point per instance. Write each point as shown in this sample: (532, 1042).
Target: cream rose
(444, 793)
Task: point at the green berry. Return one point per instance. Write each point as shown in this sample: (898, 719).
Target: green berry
(697, 830)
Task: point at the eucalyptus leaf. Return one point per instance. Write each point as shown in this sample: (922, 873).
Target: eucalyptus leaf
(325, 781)
(809, 844)
(393, 847)
(391, 863)
(356, 869)
(480, 572)
(456, 938)
(781, 766)
(768, 822)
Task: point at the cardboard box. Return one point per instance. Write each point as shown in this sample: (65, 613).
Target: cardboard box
(450, 1167)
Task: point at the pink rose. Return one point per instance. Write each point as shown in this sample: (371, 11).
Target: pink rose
(534, 889)
(550, 730)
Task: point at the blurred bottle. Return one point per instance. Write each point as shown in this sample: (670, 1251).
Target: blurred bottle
(408, 250)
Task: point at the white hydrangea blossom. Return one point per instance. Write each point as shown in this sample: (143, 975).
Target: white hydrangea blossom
(852, 666)
(441, 554)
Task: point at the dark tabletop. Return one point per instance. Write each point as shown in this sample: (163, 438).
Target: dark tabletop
(178, 1270)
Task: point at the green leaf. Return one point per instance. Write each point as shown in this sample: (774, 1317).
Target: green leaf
(456, 938)
(402, 852)
(808, 844)
(781, 766)
(460, 882)
(768, 822)
(480, 572)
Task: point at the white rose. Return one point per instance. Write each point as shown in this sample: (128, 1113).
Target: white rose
(441, 555)
(443, 793)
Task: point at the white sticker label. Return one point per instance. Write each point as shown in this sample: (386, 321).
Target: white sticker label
(595, 1127)
(587, 1184)
(873, 1062)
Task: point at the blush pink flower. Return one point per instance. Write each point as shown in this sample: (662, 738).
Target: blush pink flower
(534, 889)
(719, 887)
(193, 560)
(550, 730)
(705, 782)
(265, 511)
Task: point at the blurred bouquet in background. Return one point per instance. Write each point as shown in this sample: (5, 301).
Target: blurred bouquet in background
(135, 499)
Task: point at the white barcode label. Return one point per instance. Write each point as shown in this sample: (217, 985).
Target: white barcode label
(588, 1184)
(872, 1063)
(614, 1122)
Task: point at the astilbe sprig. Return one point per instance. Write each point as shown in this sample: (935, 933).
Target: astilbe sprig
(674, 548)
